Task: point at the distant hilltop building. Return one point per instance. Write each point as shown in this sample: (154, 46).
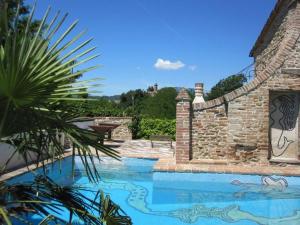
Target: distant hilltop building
(152, 90)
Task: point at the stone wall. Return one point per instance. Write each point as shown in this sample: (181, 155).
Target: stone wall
(277, 31)
(235, 127)
(209, 133)
(239, 130)
(120, 133)
(293, 61)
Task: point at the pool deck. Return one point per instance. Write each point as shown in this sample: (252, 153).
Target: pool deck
(169, 165)
(143, 149)
(166, 161)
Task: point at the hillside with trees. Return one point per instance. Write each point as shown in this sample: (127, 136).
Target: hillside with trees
(152, 114)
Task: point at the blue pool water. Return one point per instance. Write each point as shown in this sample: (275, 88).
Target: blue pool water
(187, 198)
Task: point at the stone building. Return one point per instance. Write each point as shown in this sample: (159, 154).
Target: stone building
(152, 90)
(122, 132)
(259, 122)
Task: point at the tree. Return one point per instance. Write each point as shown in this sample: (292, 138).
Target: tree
(23, 13)
(35, 83)
(226, 85)
(97, 107)
(132, 98)
(162, 105)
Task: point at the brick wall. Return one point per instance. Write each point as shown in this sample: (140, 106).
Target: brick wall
(236, 125)
(183, 127)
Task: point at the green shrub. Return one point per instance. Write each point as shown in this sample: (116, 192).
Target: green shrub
(226, 85)
(160, 106)
(135, 126)
(97, 107)
(148, 127)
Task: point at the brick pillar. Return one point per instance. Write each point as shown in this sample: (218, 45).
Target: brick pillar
(183, 127)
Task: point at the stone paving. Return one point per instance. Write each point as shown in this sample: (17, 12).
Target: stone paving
(166, 160)
(284, 170)
(143, 149)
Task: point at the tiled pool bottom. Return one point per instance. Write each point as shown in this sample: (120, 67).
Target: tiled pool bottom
(188, 198)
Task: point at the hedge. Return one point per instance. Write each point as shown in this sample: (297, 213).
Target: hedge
(148, 127)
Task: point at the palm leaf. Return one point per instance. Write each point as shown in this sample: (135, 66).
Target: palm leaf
(47, 199)
(35, 75)
(36, 79)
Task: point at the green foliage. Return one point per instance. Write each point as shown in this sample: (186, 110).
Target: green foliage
(135, 103)
(97, 107)
(24, 10)
(161, 106)
(135, 126)
(22, 200)
(226, 85)
(112, 214)
(148, 127)
(35, 84)
(129, 105)
(132, 98)
(191, 93)
(158, 111)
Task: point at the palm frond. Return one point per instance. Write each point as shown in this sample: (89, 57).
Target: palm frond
(37, 76)
(49, 200)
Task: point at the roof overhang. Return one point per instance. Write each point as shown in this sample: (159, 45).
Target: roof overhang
(261, 38)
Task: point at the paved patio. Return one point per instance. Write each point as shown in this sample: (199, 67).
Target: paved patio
(166, 160)
(143, 149)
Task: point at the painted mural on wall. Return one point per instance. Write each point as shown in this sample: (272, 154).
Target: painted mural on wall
(284, 111)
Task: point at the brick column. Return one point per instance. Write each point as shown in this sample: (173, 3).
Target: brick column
(183, 127)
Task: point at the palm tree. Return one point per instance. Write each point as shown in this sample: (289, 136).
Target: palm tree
(36, 79)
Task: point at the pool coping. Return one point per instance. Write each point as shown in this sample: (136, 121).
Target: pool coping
(31, 167)
(168, 164)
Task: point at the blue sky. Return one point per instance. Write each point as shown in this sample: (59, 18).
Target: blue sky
(169, 42)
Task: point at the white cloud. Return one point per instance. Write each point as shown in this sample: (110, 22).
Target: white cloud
(168, 65)
(192, 67)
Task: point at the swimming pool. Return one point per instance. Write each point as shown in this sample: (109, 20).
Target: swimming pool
(187, 198)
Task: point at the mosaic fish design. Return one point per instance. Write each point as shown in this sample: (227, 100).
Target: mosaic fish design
(283, 116)
(137, 199)
(270, 187)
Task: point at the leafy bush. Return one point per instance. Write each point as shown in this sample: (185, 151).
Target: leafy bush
(148, 127)
(132, 98)
(36, 72)
(226, 85)
(160, 106)
(99, 107)
(135, 126)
